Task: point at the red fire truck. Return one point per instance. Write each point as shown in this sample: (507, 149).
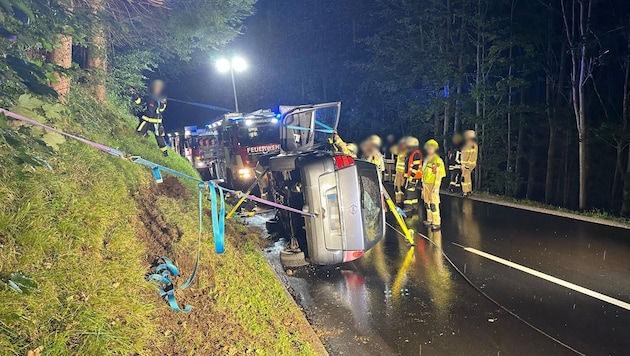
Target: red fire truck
(229, 147)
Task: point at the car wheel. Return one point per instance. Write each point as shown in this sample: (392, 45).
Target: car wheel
(274, 226)
(292, 259)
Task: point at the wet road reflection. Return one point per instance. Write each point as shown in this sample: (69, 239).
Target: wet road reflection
(410, 301)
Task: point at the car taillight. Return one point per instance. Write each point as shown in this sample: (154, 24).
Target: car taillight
(351, 255)
(343, 161)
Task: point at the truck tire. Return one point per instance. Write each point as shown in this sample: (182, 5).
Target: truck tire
(292, 259)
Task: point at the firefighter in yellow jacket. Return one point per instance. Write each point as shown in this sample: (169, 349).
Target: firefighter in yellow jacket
(432, 173)
(469, 160)
(413, 175)
(151, 120)
(340, 146)
(400, 150)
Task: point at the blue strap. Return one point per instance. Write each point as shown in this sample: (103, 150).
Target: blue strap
(161, 168)
(328, 128)
(194, 272)
(300, 128)
(218, 218)
(163, 275)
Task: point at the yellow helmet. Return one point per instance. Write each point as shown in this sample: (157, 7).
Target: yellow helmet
(470, 134)
(413, 142)
(431, 143)
(375, 140)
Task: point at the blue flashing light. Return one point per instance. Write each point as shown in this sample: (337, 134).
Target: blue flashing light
(278, 116)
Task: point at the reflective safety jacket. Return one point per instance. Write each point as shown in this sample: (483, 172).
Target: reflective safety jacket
(377, 159)
(340, 145)
(414, 165)
(154, 107)
(401, 159)
(433, 170)
(469, 155)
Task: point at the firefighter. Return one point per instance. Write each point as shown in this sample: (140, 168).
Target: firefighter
(400, 151)
(432, 173)
(151, 119)
(371, 151)
(469, 160)
(413, 175)
(455, 164)
(340, 145)
(389, 159)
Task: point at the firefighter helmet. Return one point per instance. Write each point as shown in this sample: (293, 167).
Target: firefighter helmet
(375, 140)
(470, 134)
(432, 143)
(413, 142)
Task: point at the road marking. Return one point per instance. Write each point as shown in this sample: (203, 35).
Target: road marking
(552, 279)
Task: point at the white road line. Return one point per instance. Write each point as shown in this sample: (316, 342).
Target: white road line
(575, 287)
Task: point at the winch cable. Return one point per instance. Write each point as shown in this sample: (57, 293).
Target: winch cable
(218, 208)
(494, 301)
(205, 106)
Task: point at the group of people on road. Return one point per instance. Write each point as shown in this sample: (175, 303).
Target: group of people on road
(417, 175)
(462, 161)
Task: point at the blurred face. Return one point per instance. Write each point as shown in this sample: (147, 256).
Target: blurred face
(157, 89)
(431, 150)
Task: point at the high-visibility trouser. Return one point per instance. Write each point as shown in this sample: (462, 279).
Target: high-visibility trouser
(466, 180)
(412, 194)
(399, 187)
(456, 177)
(431, 198)
(155, 125)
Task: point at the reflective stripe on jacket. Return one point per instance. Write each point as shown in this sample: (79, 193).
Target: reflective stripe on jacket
(469, 155)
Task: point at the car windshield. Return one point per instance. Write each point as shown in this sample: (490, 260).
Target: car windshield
(371, 203)
(258, 135)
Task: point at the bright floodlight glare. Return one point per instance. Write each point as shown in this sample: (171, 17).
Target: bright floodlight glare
(239, 64)
(223, 65)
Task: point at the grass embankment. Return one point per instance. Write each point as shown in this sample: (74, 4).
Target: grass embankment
(86, 227)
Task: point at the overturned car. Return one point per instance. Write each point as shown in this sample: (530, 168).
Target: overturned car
(342, 196)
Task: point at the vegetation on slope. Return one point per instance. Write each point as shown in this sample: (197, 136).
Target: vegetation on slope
(86, 227)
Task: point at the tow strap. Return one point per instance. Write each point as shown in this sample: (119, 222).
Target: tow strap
(165, 271)
(324, 128)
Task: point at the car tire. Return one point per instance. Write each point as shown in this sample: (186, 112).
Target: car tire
(292, 259)
(273, 226)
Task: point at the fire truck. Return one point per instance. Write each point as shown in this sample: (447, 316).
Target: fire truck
(202, 148)
(230, 146)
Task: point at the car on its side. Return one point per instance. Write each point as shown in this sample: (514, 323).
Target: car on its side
(343, 194)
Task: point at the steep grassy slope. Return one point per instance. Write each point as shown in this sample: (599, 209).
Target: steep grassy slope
(85, 228)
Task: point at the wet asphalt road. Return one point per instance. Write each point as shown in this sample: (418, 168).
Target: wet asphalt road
(397, 300)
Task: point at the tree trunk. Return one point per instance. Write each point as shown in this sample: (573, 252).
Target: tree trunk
(531, 175)
(577, 30)
(97, 53)
(61, 55)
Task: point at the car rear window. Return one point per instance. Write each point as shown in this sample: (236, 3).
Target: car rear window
(371, 203)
